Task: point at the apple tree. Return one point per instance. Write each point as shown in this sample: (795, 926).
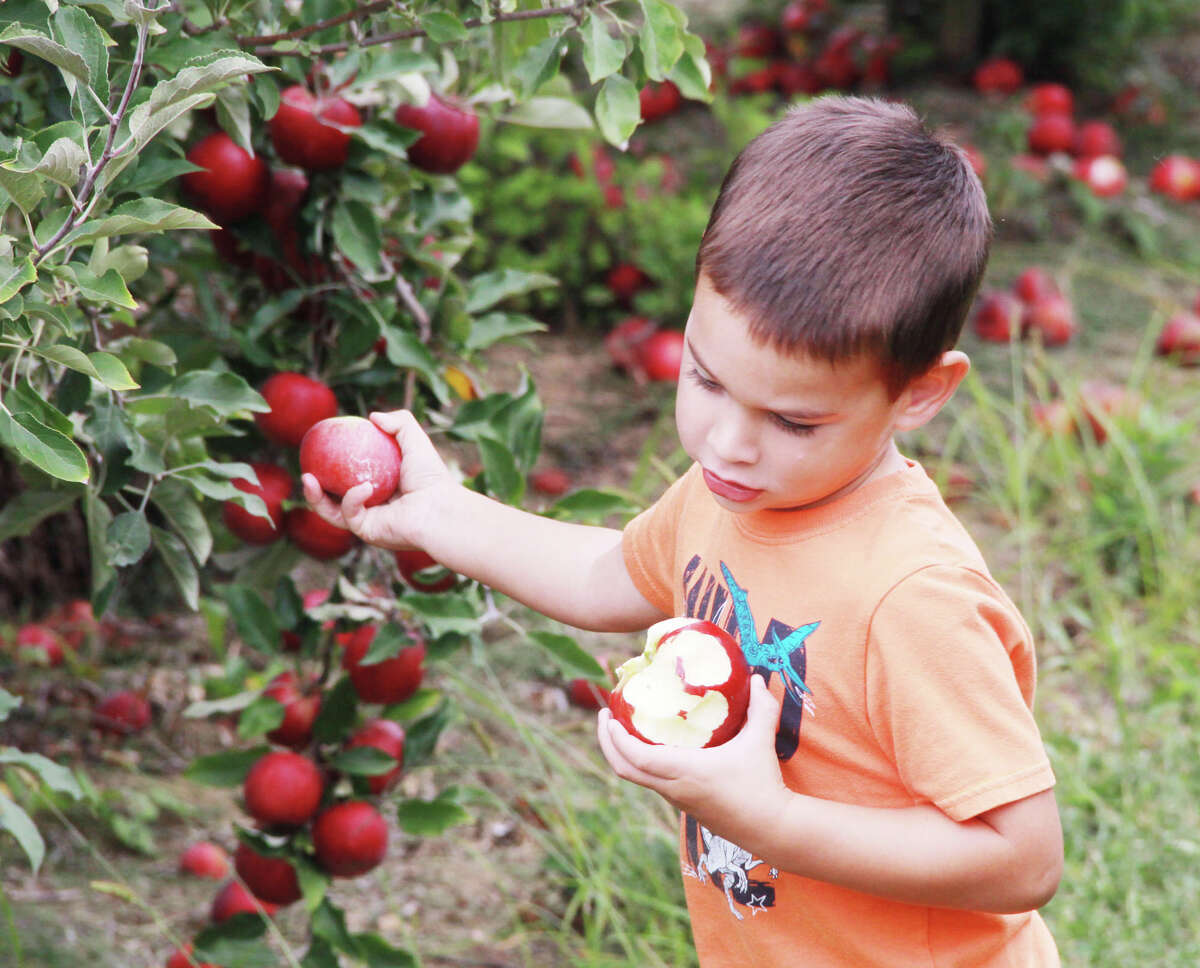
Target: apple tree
(220, 222)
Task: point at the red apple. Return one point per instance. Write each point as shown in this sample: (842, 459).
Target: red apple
(11, 65)
(997, 316)
(1095, 138)
(1032, 165)
(1050, 98)
(420, 571)
(182, 958)
(1177, 177)
(450, 134)
(1053, 417)
(74, 620)
(1034, 283)
(796, 77)
(283, 789)
(343, 452)
(274, 487)
(625, 280)
(661, 355)
(1050, 133)
(300, 710)
(387, 736)
(390, 681)
(39, 645)
(659, 100)
(270, 879)
(205, 859)
(689, 687)
(233, 899)
(122, 713)
(1053, 317)
(551, 481)
(756, 40)
(233, 183)
(587, 694)
(999, 75)
(1105, 175)
(349, 838)
(315, 536)
(309, 131)
(796, 17)
(1180, 338)
(297, 402)
(624, 339)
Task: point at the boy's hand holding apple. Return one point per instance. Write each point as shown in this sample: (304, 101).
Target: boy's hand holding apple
(389, 521)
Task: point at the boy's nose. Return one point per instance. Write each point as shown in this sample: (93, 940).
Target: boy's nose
(732, 438)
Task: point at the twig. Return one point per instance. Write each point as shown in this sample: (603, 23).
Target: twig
(263, 49)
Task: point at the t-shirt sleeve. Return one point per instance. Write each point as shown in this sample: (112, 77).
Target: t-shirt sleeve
(950, 675)
(648, 546)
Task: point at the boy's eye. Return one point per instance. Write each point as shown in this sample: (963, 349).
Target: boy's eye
(701, 380)
(790, 427)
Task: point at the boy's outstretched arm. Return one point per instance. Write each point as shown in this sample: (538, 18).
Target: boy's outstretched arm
(1004, 861)
(570, 572)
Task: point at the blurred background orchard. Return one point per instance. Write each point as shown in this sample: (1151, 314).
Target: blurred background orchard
(220, 222)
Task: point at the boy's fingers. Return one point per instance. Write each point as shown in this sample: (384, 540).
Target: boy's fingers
(320, 502)
(762, 716)
(353, 502)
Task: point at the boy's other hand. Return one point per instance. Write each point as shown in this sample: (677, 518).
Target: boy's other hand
(729, 788)
(395, 523)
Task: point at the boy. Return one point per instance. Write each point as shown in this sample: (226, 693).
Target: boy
(889, 801)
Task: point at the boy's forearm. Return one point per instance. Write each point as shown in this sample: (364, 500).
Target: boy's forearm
(570, 572)
(913, 854)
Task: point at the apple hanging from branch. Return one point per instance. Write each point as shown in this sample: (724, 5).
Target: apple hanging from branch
(689, 687)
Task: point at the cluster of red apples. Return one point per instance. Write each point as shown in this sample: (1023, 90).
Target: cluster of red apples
(47, 643)
(311, 132)
(1033, 306)
(1092, 145)
(303, 810)
(806, 52)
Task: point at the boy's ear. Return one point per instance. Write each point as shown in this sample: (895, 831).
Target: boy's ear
(926, 394)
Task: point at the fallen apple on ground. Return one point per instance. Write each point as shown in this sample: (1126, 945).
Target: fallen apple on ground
(689, 687)
(1053, 318)
(343, 452)
(660, 356)
(997, 317)
(39, 645)
(1180, 338)
(122, 713)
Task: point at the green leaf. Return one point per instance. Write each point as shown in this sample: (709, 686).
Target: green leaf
(551, 112)
(8, 702)
(98, 518)
(25, 511)
(147, 350)
(386, 644)
(661, 37)
(692, 75)
(46, 448)
(339, 708)
(112, 371)
(504, 477)
(443, 27)
(421, 737)
(485, 291)
(174, 499)
(618, 109)
(105, 367)
(179, 563)
(253, 617)
(23, 398)
(603, 53)
(570, 657)
(381, 954)
(537, 65)
(38, 44)
(145, 123)
(18, 823)
(140, 216)
(128, 538)
(356, 233)
(591, 505)
(62, 163)
(227, 769)
(78, 32)
(108, 288)
(261, 716)
(58, 778)
(363, 761)
(491, 328)
(15, 276)
(428, 818)
(227, 393)
(405, 350)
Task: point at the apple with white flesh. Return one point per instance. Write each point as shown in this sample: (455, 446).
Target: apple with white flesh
(689, 687)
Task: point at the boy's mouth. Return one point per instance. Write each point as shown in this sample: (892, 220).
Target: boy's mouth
(730, 490)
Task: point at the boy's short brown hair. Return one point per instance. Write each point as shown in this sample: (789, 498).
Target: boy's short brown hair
(846, 228)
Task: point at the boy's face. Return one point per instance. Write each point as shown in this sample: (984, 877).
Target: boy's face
(775, 431)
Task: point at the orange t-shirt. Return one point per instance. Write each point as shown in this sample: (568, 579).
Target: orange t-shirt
(907, 677)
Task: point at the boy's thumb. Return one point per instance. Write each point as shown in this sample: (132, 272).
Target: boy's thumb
(763, 712)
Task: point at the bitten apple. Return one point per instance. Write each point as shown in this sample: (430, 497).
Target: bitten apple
(343, 452)
(689, 687)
